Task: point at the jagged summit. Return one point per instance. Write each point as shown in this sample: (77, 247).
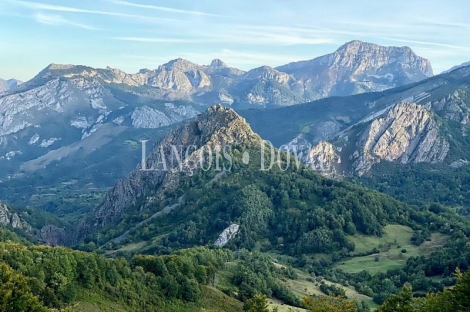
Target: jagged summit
(355, 67)
(360, 49)
(215, 128)
(358, 67)
(267, 73)
(180, 64)
(54, 66)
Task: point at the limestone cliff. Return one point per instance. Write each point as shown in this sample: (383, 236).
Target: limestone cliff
(408, 134)
(358, 67)
(323, 158)
(11, 219)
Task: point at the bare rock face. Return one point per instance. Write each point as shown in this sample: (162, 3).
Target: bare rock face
(179, 75)
(10, 84)
(408, 134)
(454, 107)
(358, 67)
(52, 235)
(178, 154)
(405, 133)
(227, 235)
(323, 158)
(8, 218)
(268, 73)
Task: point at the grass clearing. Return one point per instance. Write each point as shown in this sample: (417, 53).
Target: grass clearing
(393, 235)
(394, 250)
(273, 303)
(92, 302)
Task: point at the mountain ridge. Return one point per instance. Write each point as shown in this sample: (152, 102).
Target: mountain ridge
(69, 115)
(355, 67)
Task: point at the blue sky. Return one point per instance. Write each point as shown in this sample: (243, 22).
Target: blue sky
(135, 34)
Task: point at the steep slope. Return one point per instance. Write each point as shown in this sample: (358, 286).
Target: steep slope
(181, 152)
(358, 67)
(68, 117)
(420, 123)
(11, 219)
(266, 87)
(32, 224)
(250, 197)
(10, 84)
(456, 67)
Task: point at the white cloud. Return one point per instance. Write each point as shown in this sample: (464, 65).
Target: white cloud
(160, 8)
(59, 20)
(59, 8)
(437, 44)
(234, 34)
(157, 40)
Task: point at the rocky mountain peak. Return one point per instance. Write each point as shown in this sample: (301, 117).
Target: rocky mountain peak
(358, 67)
(54, 66)
(215, 128)
(222, 125)
(357, 46)
(267, 73)
(407, 134)
(364, 56)
(217, 63)
(54, 71)
(180, 64)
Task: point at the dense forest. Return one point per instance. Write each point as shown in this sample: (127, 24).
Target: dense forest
(298, 214)
(295, 211)
(41, 278)
(168, 262)
(423, 184)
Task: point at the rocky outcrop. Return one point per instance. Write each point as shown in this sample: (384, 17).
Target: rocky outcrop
(227, 235)
(408, 134)
(405, 133)
(11, 219)
(178, 154)
(52, 235)
(323, 158)
(10, 84)
(454, 107)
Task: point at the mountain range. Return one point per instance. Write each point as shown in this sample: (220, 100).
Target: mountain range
(288, 214)
(192, 229)
(71, 119)
(102, 122)
(425, 122)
